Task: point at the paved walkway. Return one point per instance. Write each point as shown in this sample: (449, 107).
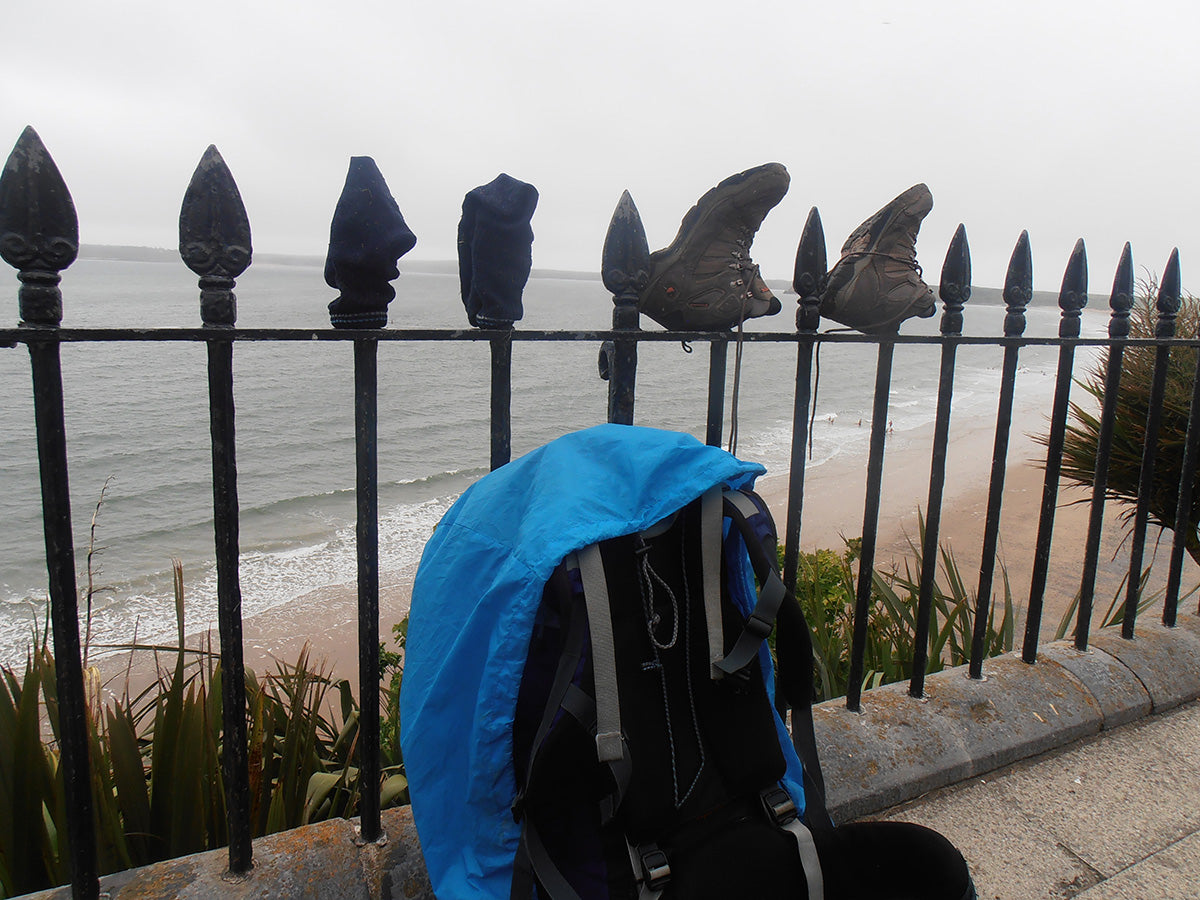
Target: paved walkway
(1113, 817)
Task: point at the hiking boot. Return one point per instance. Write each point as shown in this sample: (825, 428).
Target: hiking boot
(877, 283)
(705, 280)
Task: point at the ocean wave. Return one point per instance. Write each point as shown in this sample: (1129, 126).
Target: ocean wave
(269, 579)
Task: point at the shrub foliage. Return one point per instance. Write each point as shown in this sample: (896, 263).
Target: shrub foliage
(1129, 431)
(155, 760)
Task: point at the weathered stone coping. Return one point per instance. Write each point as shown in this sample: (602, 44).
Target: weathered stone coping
(896, 749)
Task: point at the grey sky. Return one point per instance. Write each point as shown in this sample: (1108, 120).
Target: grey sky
(1072, 118)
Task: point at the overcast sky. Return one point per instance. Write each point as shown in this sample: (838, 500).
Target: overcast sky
(1071, 118)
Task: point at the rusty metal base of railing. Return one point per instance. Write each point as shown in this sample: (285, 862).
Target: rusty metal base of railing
(896, 749)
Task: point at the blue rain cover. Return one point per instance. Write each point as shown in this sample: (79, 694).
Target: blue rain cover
(474, 600)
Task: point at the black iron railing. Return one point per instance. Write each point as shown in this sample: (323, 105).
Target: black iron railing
(39, 237)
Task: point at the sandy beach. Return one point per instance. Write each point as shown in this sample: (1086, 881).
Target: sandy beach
(326, 619)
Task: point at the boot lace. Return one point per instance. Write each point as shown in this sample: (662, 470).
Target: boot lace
(747, 271)
(745, 268)
(909, 261)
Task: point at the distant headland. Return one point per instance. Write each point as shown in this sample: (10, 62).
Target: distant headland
(426, 266)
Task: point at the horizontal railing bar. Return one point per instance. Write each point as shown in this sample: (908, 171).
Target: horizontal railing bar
(118, 335)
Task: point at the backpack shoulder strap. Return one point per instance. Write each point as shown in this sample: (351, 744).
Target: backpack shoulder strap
(742, 512)
(793, 646)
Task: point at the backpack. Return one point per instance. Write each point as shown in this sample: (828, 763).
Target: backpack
(619, 737)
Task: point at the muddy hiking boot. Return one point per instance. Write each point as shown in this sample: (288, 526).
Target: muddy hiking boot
(705, 280)
(877, 283)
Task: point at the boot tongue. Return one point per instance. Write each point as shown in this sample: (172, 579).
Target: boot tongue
(899, 235)
(900, 238)
(893, 229)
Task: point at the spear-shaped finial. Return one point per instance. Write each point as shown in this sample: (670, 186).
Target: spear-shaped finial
(625, 266)
(955, 286)
(1121, 299)
(1018, 287)
(810, 273)
(1072, 297)
(39, 230)
(214, 237)
(1168, 297)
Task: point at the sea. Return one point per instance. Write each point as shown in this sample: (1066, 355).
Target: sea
(140, 458)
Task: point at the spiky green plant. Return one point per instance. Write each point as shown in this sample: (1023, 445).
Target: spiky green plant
(1115, 613)
(826, 587)
(155, 759)
(1129, 431)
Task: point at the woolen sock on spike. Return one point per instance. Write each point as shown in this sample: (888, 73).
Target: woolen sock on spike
(368, 235)
(495, 250)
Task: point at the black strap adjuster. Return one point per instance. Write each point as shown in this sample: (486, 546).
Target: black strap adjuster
(759, 625)
(656, 868)
(779, 805)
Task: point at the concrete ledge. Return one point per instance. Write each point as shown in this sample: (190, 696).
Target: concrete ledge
(1165, 660)
(900, 747)
(895, 750)
(326, 860)
(959, 728)
(1120, 693)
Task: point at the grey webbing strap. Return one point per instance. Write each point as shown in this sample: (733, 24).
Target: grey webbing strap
(548, 875)
(758, 626)
(579, 705)
(743, 503)
(762, 618)
(711, 525)
(807, 848)
(610, 746)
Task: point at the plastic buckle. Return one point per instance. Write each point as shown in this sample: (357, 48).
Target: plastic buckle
(779, 805)
(656, 868)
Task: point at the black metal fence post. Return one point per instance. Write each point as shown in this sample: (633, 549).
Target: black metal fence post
(501, 418)
(1018, 291)
(1071, 300)
(1119, 302)
(366, 238)
(808, 279)
(866, 559)
(625, 271)
(718, 354)
(1183, 503)
(1164, 329)
(954, 290)
(366, 418)
(214, 242)
(39, 236)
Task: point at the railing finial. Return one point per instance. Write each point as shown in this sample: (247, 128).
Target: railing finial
(625, 271)
(1072, 298)
(625, 266)
(1121, 299)
(39, 230)
(214, 237)
(955, 286)
(1018, 287)
(1167, 303)
(810, 273)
